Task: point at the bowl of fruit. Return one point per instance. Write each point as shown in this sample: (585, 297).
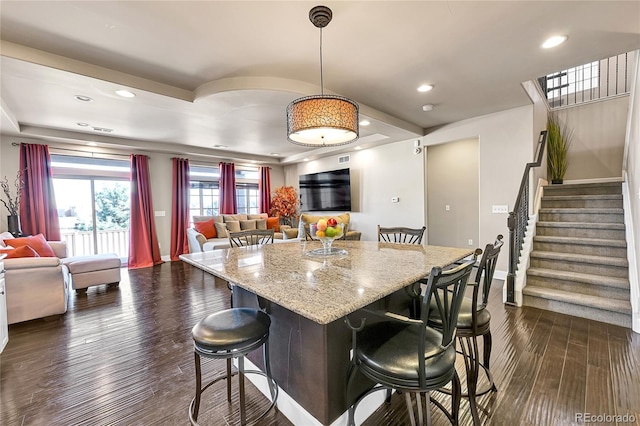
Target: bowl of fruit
(327, 230)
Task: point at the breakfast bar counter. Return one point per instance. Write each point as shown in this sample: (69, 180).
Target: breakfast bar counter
(310, 297)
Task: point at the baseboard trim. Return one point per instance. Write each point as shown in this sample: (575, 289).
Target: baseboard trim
(299, 416)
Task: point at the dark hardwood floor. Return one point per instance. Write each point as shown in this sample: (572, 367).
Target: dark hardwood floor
(123, 356)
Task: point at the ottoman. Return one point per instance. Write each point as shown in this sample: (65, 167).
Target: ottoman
(94, 269)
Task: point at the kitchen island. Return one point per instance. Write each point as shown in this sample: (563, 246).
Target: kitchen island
(309, 299)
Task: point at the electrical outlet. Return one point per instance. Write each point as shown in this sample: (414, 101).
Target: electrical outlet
(499, 209)
(470, 242)
(159, 213)
(447, 207)
(395, 199)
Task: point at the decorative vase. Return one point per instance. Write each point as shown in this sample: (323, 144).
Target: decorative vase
(13, 224)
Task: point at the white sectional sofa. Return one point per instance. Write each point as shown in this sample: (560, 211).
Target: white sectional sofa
(228, 222)
(37, 287)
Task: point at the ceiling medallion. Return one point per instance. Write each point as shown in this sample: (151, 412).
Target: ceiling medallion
(322, 120)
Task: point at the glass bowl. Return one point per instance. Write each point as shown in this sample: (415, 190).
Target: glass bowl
(326, 234)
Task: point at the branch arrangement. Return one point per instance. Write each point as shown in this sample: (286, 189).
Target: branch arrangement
(12, 204)
(284, 203)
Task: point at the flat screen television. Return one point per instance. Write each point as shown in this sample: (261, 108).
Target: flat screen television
(326, 191)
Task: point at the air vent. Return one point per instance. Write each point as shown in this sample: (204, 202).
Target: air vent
(344, 159)
(102, 129)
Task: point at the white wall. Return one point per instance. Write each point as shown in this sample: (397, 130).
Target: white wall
(597, 147)
(160, 171)
(540, 108)
(377, 175)
(632, 166)
(9, 164)
(505, 146)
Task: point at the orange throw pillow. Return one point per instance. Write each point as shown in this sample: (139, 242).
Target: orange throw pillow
(22, 251)
(273, 223)
(36, 242)
(206, 228)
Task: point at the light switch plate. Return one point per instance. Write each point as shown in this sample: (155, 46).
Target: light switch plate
(500, 209)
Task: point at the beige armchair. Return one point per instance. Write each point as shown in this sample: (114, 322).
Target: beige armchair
(37, 287)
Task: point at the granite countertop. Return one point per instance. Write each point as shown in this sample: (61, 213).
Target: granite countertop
(324, 289)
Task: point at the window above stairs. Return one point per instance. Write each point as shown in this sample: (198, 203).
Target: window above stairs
(591, 82)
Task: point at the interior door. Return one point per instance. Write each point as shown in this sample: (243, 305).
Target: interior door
(453, 191)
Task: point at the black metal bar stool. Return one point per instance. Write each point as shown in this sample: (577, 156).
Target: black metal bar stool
(228, 334)
(474, 321)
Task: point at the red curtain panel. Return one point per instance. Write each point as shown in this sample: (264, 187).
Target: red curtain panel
(180, 208)
(144, 250)
(38, 212)
(264, 189)
(228, 189)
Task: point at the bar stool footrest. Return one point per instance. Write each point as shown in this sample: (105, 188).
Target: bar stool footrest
(491, 388)
(225, 377)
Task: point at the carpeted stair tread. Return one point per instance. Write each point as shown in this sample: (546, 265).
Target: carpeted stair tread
(582, 197)
(580, 240)
(581, 258)
(614, 305)
(579, 210)
(596, 185)
(600, 225)
(605, 281)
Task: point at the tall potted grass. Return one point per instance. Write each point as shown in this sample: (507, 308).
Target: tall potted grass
(559, 137)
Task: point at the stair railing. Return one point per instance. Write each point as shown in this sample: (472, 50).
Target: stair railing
(518, 219)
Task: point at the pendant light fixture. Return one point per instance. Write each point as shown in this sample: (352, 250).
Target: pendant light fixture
(322, 120)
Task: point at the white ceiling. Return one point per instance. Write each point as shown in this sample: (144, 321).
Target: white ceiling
(212, 73)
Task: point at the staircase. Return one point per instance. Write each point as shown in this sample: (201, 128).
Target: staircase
(579, 265)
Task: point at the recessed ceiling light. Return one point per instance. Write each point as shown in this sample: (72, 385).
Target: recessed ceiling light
(125, 93)
(82, 124)
(82, 98)
(220, 146)
(427, 107)
(554, 41)
(358, 148)
(425, 88)
(365, 123)
(306, 159)
(92, 144)
(275, 154)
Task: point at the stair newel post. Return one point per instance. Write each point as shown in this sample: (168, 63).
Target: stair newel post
(511, 275)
